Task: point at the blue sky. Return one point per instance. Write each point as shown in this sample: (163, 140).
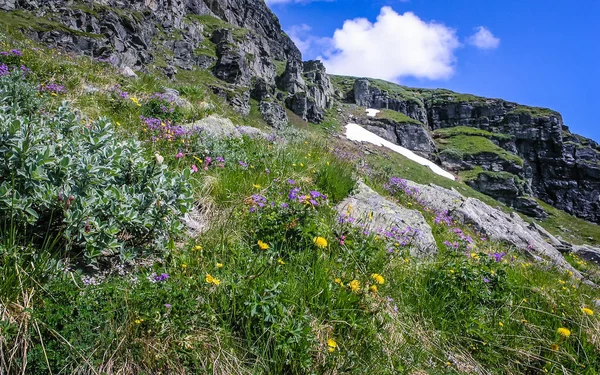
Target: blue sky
(541, 53)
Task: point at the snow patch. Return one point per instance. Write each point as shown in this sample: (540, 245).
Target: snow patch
(355, 132)
(372, 112)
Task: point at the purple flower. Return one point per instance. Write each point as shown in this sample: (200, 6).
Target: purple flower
(194, 168)
(244, 165)
(16, 52)
(161, 277)
(168, 305)
(293, 195)
(284, 205)
(498, 256)
(179, 155)
(486, 280)
(4, 70)
(291, 182)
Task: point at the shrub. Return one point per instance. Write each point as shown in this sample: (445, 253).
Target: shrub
(59, 174)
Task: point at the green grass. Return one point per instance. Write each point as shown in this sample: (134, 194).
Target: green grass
(474, 145)
(212, 24)
(398, 117)
(24, 20)
(274, 310)
(467, 130)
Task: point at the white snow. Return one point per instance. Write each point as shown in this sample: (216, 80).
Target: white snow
(355, 132)
(372, 112)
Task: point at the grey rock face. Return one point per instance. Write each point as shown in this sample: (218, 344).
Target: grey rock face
(247, 40)
(385, 215)
(414, 137)
(560, 168)
(495, 224)
(586, 252)
(219, 127)
(274, 114)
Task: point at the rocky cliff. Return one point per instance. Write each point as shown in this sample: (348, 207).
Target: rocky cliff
(506, 150)
(239, 41)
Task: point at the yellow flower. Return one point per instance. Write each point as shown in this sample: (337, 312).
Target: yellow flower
(320, 242)
(302, 164)
(219, 265)
(198, 248)
(378, 278)
(135, 101)
(280, 261)
(118, 123)
(373, 289)
(212, 280)
(139, 321)
(587, 311)
(338, 280)
(355, 285)
(328, 164)
(184, 266)
(332, 345)
(262, 245)
(501, 324)
(554, 347)
(256, 186)
(564, 332)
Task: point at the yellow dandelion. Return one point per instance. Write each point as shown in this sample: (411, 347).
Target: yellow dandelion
(501, 324)
(219, 265)
(211, 280)
(184, 266)
(320, 242)
(332, 345)
(302, 164)
(355, 285)
(378, 278)
(118, 123)
(373, 289)
(139, 321)
(328, 164)
(280, 261)
(256, 186)
(338, 280)
(565, 332)
(587, 311)
(554, 347)
(263, 245)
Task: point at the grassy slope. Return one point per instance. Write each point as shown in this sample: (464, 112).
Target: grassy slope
(274, 310)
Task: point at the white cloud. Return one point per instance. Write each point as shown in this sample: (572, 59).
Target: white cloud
(300, 35)
(483, 39)
(274, 2)
(395, 46)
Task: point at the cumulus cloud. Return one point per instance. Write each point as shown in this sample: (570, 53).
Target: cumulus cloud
(483, 39)
(273, 2)
(395, 46)
(300, 35)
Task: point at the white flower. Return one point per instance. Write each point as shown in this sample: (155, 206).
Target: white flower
(159, 158)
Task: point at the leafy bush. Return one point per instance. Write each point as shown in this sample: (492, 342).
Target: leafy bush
(59, 174)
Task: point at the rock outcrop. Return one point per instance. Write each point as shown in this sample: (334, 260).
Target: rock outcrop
(238, 40)
(495, 224)
(373, 212)
(556, 166)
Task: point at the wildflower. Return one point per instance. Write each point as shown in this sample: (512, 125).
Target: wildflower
(332, 345)
(256, 186)
(554, 347)
(211, 280)
(263, 245)
(118, 123)
(159, 158)
(501, 324)
(219, 265)
(139, 321)
(179, 155)
(291, 182)
(565, 332)
(184, 266)
(373, 289)
(320, 242)
(587, 311)
(355, 285)
(378, 278)
(135, 101)
(486, 280)
(161, 277)
(280, 261)
(337, 280)
(197, 247)
(168, 305)
(194, 168)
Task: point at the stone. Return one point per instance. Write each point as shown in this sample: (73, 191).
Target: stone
(587, 253)
(377, 213)
(495, 224)
(274, 114)
(219, 127)
(128, 72)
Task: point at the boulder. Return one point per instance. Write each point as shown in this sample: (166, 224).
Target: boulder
(375, 213)
(274, 114)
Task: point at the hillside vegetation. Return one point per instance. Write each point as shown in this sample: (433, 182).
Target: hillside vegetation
(98, 275)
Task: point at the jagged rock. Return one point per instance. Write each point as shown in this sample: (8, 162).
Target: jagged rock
(274, 114)
(366, 95)
(495, 224)
(414, 137)
(385, 215)
(587, 252)
(167, 33)
(128, 72)
(261, 90)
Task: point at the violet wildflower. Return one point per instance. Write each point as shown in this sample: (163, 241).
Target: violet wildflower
(161, 277)
(291, 182)
(498, 256)
(4, 70)
(168, 305)
(194, 168)
(179, 155)
(486, 280)
(293, 195)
